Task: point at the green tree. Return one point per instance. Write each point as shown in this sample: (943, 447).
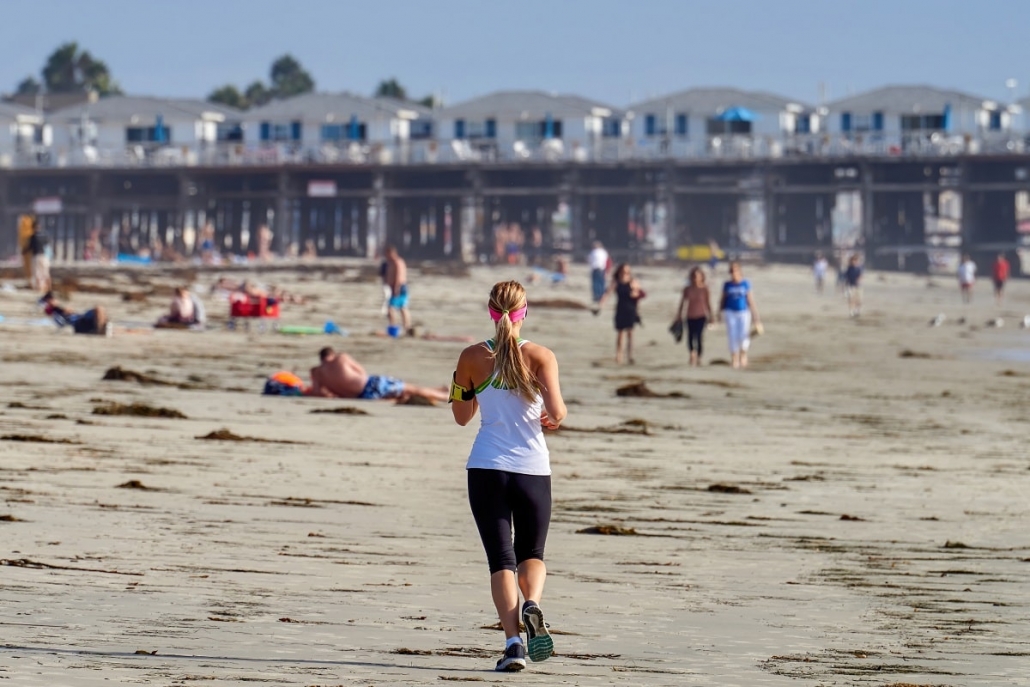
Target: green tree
(257, 94)
(69, 69)
(391, 88)
(430, 101)
(29, 86)
(289, 78)
(228, 95)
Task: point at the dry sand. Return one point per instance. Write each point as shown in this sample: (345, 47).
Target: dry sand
(842, 513)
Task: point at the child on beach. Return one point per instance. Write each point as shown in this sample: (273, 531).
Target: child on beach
(515, 385)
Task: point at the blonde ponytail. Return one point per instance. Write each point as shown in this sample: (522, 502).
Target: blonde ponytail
(510, 368)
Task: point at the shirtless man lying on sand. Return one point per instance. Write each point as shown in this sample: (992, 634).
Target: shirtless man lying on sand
(341, 376)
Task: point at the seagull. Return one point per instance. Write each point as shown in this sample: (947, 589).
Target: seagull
(996, 322)
(938, 321)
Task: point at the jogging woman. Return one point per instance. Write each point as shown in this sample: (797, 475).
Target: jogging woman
(737, 308)
(696, 308)
(515, 385)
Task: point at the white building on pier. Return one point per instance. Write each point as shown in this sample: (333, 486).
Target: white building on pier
(721, 121)
(329, 127)
(922, 119)
(526, 125)
(24, 134)
(134, 129)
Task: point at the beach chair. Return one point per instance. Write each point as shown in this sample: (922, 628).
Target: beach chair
(246, 308)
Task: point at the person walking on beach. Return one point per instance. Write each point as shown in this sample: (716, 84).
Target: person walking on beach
(39, 249)
(600, 262)
(966, 278)
(853, 286)
(514, 384)
(627, 295)
(737, 308)
(696, 308)
(1000, 274)
(397, 280)
(819, 269)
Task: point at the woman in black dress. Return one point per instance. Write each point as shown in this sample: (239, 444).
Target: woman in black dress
(627, 294)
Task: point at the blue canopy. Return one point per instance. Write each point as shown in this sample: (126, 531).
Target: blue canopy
(159, 130)
(737, 114)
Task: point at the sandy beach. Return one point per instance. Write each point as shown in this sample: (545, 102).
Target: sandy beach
(850, 510)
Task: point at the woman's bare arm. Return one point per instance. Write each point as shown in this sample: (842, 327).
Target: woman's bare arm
(550, 388)
(464, 411)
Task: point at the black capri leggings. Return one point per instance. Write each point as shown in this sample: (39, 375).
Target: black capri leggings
(695, 330)
(500, 500)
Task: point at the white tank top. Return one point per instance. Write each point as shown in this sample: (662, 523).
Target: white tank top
(510, 437)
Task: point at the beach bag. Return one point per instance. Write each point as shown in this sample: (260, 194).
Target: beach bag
(676, 329)
(284, 384)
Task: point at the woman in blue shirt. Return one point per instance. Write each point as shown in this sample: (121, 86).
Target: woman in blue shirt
(737, 307)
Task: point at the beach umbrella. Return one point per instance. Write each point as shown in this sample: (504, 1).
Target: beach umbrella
(548, 126)
(947, 117)
(352, 129)
(159, 130)
(737, 114)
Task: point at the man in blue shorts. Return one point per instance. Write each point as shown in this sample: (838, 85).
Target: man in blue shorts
(397, 281)
(341, 376)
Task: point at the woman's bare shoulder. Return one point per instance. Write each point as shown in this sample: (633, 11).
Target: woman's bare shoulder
(536, 351)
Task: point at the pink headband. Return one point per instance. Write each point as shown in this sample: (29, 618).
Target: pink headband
(513, 315)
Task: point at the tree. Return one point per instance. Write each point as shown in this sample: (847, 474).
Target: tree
(29, 86)
(430, 101)
(289, 78)
(257, 94)
(68, 69)
(391, 89)
(228, 95)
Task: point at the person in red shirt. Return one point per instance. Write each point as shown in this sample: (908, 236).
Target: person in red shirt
(1000, 272)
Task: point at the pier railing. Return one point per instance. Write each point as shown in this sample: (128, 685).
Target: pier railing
(422, 152)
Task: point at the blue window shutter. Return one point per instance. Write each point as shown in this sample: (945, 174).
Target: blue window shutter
(877, 121)
(681, 125)
(266, 131)
(459, 128)
(491, 128)
(295, 131)
(649, 125)
(845, 121)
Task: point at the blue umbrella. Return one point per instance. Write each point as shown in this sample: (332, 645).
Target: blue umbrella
(159, 130)
(947, 117)
(353, 131)
(548, 126)
(737, 114)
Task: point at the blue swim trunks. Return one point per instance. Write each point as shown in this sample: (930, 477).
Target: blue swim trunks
(400, 301)
(379, 387)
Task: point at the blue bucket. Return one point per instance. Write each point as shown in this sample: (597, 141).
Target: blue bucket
(393, 331)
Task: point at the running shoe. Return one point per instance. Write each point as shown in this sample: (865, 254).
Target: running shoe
(514, 659)
(540, 643)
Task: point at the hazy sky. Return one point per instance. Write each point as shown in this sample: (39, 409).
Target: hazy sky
(614, 51)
